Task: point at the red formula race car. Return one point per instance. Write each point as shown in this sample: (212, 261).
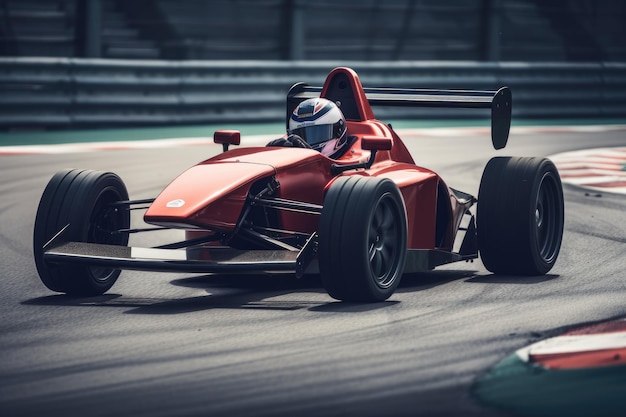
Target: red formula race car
(360, 220)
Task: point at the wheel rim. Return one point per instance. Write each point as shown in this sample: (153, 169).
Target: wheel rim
(103, 222)
(547, 218)
(384, 241)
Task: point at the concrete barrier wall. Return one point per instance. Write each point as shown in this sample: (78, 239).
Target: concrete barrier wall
(73, 93)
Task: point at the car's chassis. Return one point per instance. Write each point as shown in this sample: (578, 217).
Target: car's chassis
(296, 253)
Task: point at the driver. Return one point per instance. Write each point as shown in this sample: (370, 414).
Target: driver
(317, 123)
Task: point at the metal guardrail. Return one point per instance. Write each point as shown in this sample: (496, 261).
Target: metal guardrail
(72, 93)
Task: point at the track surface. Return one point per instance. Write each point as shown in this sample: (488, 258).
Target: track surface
(172, 344)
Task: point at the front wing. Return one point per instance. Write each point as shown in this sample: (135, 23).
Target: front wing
(217, 259)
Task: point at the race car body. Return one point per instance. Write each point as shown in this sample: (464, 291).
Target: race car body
(360, 220)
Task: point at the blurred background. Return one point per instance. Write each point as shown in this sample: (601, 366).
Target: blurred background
(95, 63)
(389, 30)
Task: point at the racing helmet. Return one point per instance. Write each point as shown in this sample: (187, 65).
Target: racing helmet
(321, 124)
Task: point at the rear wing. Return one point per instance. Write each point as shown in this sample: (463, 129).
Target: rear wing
(343, 86)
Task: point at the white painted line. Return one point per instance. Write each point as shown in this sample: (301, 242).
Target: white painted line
(256, 140)
(64, 148)
(573, 344)
(579, 343)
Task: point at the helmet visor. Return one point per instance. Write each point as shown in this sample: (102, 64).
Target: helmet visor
(314, 134)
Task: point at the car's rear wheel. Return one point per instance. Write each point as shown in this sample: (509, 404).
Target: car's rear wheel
(362, 239)
(520, 215)
(81, 199)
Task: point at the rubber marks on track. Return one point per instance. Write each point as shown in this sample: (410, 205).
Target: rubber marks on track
(601, 169)
(579, 373)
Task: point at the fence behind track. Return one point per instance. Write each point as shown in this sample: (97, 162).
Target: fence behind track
(81, 93)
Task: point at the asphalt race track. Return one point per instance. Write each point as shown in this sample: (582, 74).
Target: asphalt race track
(185, 345)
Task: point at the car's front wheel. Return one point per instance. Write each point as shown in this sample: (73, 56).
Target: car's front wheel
(362, 239)
(82, 201)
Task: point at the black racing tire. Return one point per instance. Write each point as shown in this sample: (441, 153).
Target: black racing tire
(362, 239)
(520, 215)
(80, 198)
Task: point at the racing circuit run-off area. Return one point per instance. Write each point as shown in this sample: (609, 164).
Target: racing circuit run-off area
(286, 208)
(226, 277)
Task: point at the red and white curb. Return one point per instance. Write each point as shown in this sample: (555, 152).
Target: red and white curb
(578, 374)
(590, 347)
(602, 169)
